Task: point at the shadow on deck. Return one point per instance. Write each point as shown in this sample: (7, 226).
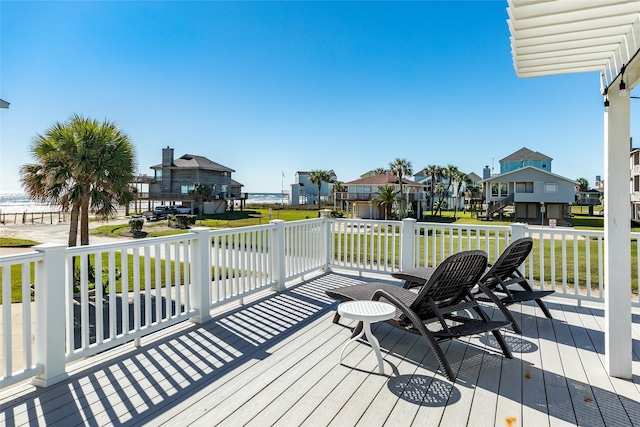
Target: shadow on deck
(274, 361)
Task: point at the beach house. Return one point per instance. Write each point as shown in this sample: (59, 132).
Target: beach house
(361, 191)
(527, 190)
(173, 179)
(304, 192)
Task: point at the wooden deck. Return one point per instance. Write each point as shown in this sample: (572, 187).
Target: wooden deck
(273, 361)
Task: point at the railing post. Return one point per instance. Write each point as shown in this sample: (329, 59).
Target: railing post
(407, 246)
(201, 275)
(517, 231)
(325, 235)
(278, 255)
(50, 314)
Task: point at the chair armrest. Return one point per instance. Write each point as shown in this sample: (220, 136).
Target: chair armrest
(414, 277)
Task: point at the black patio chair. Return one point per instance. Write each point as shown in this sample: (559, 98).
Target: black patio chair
(446, 299)
(505, 281)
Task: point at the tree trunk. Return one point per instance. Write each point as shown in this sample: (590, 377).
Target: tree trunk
(84, 223)
(73, 227)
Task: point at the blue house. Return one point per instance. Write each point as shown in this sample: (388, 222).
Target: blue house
(525, 157)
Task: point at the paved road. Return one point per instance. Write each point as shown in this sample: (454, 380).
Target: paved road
(46, 233)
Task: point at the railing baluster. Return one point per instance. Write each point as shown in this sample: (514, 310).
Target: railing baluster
(27, 357)
(7, 326)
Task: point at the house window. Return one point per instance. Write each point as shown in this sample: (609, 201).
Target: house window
(499, 189)
(524, 187)
(158, 174)
(544, 164)
(184, 189)
(551, 187)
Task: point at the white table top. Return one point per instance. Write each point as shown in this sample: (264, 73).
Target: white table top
(371, 311)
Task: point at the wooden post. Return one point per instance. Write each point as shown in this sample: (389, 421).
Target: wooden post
(406, 238)
(276, 249)
(617, 243)
(201, 275)
(50, 315)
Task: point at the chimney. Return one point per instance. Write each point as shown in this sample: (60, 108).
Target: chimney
(390, 177)
(486, 172)
(167, 157)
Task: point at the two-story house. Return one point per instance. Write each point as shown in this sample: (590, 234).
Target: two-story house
(527, 184)
(361, 191)
(174, 178)
(304, 192)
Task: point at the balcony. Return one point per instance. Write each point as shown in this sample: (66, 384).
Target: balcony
(370, 195)
(233, 327)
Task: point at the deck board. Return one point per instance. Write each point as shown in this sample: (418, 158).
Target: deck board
(274, 361)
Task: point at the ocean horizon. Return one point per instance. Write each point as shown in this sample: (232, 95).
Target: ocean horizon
(20, 202)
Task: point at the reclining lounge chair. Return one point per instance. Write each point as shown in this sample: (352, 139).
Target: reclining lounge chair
(505, 281)
(443, 300)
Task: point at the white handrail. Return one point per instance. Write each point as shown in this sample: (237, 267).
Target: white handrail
(128, 289)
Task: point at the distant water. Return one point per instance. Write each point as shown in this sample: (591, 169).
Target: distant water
(19, 203)
(266, 198)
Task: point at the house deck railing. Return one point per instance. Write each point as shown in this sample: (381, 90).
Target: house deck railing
(88, 299)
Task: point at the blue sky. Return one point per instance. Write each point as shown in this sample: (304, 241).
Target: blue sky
(273, 87)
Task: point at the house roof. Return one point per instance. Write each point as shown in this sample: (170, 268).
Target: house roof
(382, 179)
(331, 172)
(511, 175)
(191, 161)
(525, 154)
(235, 183)
(474, 177)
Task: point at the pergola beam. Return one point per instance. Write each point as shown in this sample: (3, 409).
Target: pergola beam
(561, 37)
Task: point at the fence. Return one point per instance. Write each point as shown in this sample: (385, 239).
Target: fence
(88, 299)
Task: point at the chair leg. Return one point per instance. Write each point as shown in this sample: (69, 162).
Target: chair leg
(507, 313)
(440, 357)
(336, 317)
(503, 344)
(544, 308)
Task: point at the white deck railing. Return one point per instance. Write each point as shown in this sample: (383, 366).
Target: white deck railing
(88, 299)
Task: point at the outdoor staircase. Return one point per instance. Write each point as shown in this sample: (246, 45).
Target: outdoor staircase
(499, 205)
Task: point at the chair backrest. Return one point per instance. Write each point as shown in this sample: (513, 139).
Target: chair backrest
(451, 281)
(509, 260)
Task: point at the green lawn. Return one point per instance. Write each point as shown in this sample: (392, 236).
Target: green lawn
(255, 216)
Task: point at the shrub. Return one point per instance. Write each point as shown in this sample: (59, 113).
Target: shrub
(136, 225)
(181, 221)
(337, 214)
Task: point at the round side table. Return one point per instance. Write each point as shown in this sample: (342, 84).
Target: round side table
(368, 312)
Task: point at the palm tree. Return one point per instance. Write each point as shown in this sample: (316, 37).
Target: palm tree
(450, 172)
(582, 184)
(387, 196)
(401, 168)
(318, 177)
(460, 178)
(81, 164)
(201, 193)
(440, 190)
(435, 172)
(338, 187)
